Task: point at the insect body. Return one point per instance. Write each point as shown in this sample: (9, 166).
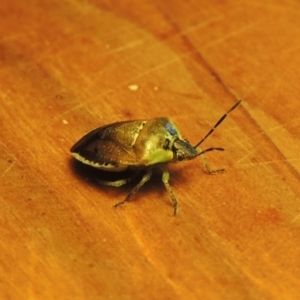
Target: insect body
(140, 145)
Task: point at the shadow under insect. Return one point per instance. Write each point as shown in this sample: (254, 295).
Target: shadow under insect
(98, 176)
(107, 180)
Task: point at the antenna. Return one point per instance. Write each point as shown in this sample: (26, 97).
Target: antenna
(214, 127)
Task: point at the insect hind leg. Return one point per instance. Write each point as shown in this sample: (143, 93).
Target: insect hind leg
(119, 182)
(144, 179)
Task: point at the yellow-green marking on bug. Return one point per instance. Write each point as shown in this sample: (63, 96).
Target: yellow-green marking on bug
(141, 145)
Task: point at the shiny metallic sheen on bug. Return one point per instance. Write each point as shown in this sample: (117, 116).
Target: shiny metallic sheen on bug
(140, 145)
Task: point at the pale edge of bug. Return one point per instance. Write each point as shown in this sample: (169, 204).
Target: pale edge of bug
(141, 145)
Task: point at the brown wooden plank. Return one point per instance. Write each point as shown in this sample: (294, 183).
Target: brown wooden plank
(69, 66)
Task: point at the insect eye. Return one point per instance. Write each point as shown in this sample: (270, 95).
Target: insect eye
(180, 156)
(167, 144)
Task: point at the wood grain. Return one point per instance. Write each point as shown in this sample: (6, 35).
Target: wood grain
(68, 66)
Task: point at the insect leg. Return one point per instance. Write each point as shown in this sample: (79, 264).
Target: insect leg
(205, 162)
(117, 183)
(206, 165)
(201, 153)
(145, 178)
(165, 179)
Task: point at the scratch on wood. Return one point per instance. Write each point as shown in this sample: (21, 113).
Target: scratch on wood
(244, 157)
(128, 46)
(8, 169)
(269, 162)
(57, 117)
(234, 33)
(296, 218)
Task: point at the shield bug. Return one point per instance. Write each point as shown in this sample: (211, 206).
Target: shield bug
(141, 145)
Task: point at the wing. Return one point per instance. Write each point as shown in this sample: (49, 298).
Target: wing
(109, 147)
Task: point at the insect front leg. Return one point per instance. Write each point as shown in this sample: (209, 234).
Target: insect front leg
(144, 179)
(207, 166)
(165, 179)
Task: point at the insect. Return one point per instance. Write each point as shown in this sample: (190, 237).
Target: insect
(141, 145)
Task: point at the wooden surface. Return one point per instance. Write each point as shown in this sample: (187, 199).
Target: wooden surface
(69, 66)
